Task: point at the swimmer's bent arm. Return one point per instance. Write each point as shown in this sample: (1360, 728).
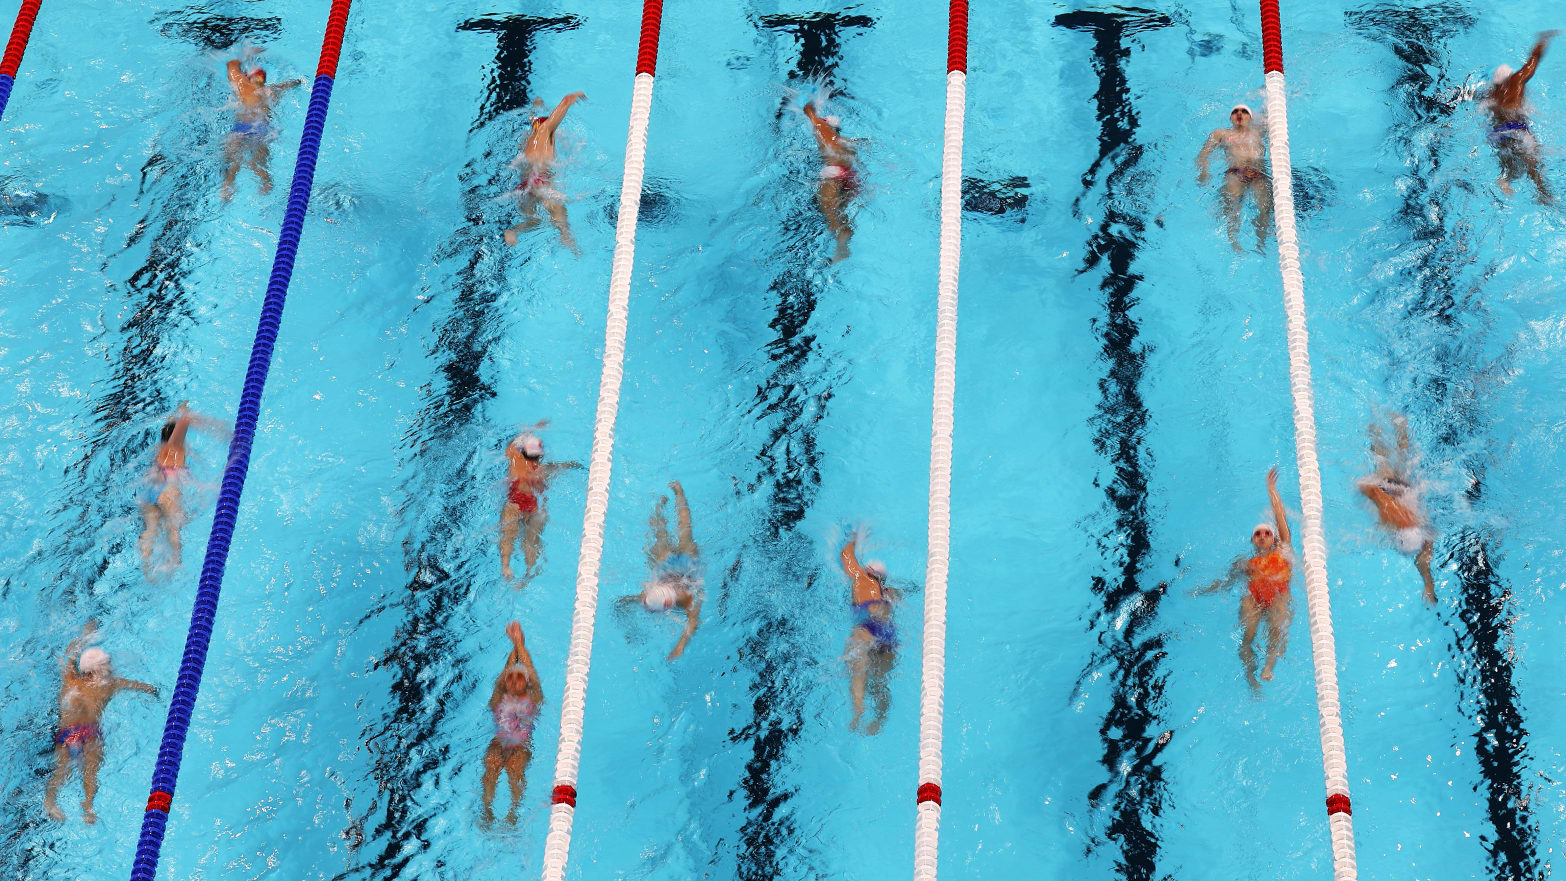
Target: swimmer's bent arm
(1204, 157)
(1279, 515)
(1236, 572)
(692, 621)
(1532, 65)
(557, 116)
(850, 562)
(133, 685)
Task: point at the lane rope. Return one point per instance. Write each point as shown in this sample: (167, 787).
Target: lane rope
(166, 773)
(21, 32)
(573, 704)
(1334, 757)
(932, 683)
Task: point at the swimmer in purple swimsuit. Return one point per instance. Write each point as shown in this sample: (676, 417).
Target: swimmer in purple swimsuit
(1510, 132)
(88, 684)
(675, 564)
(514, 706)
(160, 499)
(248, 142)
(872, 644)
(1242, 143)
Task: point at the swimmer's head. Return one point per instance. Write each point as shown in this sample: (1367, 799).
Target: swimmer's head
(1502, 74)
(258, 75)
(659, 596)
(93, 662)
(168, 430)
(1264, 536)
(530, 445)
(876, 569)
(1241, 112)
(834, 121)
(515, 679)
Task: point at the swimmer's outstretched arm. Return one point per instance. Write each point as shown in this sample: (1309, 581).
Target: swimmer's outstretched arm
(1532, 65)
(692, 621)
(133, 685)
(1279, 515)
(1204, 157)
(1235, 573)
(557, 116)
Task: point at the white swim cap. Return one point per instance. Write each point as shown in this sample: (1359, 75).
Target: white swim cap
(833, 121)
(94, 660)
(1267, 526)
(1245, 107)
(659, 596)
(1502, 74)
(876, 570)
(529, 444)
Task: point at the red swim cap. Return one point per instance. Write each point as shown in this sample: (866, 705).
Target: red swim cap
(259, 70)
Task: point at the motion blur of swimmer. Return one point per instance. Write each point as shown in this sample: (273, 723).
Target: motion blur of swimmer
(527, 477)
(249, 141)
(872, 641)
(513, 705)
(674, 562)
(160, 496)
(1243, 146)
(1510, 130)
(87, 685)
(1392, 489)
(1266, 573)
(538, 176)
(838, 178)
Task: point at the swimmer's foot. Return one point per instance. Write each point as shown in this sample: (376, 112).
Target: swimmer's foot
(511, 817)
(875, 727)
(1250, 679)
(1267, 673)
(88, 816)
(486, 816)
(265, 188)
(1505, 185)
(227, 193)
(1430, 597)
(841, 254)
(853, 724)
(505, 571)
(54, 812)
(1234, 242)
(511, 237)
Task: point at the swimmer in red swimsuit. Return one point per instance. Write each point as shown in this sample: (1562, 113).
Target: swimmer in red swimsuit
(839, 177)
(1242, 143)
(537, 166)
(527, 476)
(1266, 574)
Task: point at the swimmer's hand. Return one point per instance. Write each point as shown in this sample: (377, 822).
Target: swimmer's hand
(1272, 478)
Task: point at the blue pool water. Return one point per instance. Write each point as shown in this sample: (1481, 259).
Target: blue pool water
(1121, 393)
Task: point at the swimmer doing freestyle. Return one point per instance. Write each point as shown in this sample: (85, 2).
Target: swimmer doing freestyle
(1510, 131)
(160, 496)
(674, 562)
(248, 142)
(1242, 144)
(1266, 574)
(838, 178)
(872, 642)
(538, 175)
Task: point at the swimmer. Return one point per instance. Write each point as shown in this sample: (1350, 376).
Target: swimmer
(88, 684)
(872, 643)
(249, 141)
(1242, 144)
(839, 176)
(1267, 574)
(514, 706)
(527, 477)
(675, 564)
(1391, 487)
(160, 498)
(538, 186)
(1510, 131)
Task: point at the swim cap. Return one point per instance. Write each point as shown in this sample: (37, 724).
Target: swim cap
(1267, 526)
(1245, 107)
(529, 444)
(1502, 74)
(876, 569)
(94, 660)
(519, 670)
(660, 596)
(833, 121)
(258, 70)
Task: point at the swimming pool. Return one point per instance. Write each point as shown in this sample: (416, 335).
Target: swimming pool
(1115, 419)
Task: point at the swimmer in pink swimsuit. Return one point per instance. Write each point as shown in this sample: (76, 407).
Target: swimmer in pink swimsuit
(514, 706)
(527, 476)
(538, 157)
(160, 499)
(839, 177)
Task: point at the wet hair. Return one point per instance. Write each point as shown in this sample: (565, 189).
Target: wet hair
(168, 430)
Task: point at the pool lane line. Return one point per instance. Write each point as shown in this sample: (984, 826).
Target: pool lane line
(165, 773)
(573, 702)
(932, 680)
(1334, 756)
(21, 32)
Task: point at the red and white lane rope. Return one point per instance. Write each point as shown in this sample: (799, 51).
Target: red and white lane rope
(557, 845)
(1334, 758)
(932, 684)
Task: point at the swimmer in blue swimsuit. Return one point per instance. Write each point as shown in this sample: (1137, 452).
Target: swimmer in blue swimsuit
(675, 564)
(872, 644)
(1510, 131)
(248, 142)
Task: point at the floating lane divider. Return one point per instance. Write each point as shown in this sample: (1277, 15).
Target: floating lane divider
(1334, 757)
(166, 773)
(557, 846)
(12, 62)
(932, 683)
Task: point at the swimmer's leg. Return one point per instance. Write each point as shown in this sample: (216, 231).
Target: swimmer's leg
(151, 515)
(491, 777)
(858, 657)
(173, 523)
(1261, 191)
(62, 768)
(682, 511)
(260, 159)
(1250, 619)
(1537, 176)
(532, 537)
(880, 663)
(529, 205)
(1233, 188)
(92, 760)
(1511, 166)
(662, 544)
(516, 775)
(510, 520)
(233, 146)
(1279, 614)
(1422, 563)
(557, 214)
(831, 199)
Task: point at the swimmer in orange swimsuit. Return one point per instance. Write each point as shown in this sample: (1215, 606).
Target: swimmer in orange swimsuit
(537, 167)
(527, 476)
(1391, 487)
(839, 177)
(1266, 574)
(1242, 143)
